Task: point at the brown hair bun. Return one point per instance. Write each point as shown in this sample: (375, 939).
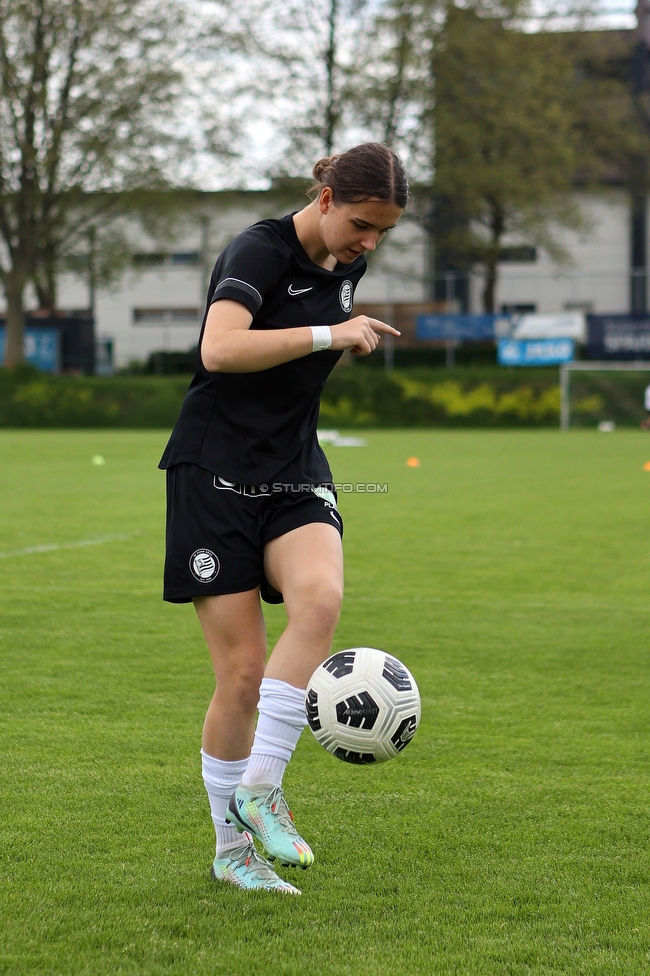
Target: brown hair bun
(322, 166)
(371, 169)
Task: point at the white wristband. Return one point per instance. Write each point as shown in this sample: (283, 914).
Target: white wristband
(321, 337)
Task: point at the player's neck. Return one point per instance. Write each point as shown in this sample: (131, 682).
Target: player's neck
(307, 224)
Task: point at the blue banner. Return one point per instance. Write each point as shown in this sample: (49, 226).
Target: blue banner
(41, 348)
(535, 352)
(459, 327)
(618, 336)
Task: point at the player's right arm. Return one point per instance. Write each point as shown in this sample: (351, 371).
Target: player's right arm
(230, 346)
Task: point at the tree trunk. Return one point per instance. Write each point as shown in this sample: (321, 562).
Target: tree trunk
(331, 113)
(44, 281)
(397, 82)
(490, 286)
(427, 221)
(497, 228)
(14, 282)
(45, 294)
(639, 235)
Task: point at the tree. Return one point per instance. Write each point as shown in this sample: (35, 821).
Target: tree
(506, 139)
(98, 238)
(86, 111)
(391, 96)
(497, 125)
(300, 57)
(614, 128)
(391, 86)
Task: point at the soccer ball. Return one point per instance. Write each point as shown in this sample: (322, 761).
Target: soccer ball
(363, 705)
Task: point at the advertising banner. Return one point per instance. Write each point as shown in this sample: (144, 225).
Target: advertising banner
(618, 336)
(41, 348)
(460, 327)
(563, 325)
(535, 352)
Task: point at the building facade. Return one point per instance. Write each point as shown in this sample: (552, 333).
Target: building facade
(159, 303)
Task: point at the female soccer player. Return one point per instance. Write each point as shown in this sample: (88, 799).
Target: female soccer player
(251, 507)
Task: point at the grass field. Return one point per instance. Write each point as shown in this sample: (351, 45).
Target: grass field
(509, 571)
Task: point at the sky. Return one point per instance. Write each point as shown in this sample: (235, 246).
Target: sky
(259, 136)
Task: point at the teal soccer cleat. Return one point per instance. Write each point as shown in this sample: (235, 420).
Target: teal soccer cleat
(244, 867)
(263, 810)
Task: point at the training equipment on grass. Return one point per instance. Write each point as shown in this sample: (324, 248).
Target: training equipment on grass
(363, 705)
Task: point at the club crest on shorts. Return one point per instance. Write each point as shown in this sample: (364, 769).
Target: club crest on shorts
(205, 565)
(346, 294)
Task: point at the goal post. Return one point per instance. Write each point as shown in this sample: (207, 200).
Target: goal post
(595, 366)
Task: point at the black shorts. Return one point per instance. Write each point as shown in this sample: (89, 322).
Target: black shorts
(217, 530)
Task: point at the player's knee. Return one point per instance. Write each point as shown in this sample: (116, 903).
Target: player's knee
(243, 686)
(326, 618)
(320, 607)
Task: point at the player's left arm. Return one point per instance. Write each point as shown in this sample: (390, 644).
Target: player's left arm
(229, 345)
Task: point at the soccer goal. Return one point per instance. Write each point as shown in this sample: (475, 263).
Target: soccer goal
(593, 392)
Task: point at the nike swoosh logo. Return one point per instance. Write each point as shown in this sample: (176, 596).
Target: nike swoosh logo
(299, 291)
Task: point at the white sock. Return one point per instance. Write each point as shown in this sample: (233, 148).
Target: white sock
(221, 779)
(282, 717)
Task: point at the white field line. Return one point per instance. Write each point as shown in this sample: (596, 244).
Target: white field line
(79, 544)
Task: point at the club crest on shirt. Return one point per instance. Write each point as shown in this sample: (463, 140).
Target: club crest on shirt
(205, 565)
(346, 294)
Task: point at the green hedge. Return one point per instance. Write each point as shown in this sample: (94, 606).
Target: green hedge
(461, 397)
(32, 399)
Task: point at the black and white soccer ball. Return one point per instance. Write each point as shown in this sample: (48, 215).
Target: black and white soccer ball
(363, 705)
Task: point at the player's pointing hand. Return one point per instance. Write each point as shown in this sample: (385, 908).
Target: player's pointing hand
(360, 334)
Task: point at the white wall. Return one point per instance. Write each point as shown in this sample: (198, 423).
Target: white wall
(395, 273)
(396, 269)
(597, 276)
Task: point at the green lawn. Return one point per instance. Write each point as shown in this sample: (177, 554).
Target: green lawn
(509, 572)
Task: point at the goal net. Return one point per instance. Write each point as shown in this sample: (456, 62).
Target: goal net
(593, 392)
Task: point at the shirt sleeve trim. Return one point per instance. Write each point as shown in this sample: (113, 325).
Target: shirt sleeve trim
(239, 284)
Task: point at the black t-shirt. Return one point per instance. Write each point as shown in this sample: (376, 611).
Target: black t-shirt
(260, 428)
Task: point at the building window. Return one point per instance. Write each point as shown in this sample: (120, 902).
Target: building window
(579, 307)
(525, 308)
(149, 260)
(165, 316)
(160, 259)
(522, 254)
